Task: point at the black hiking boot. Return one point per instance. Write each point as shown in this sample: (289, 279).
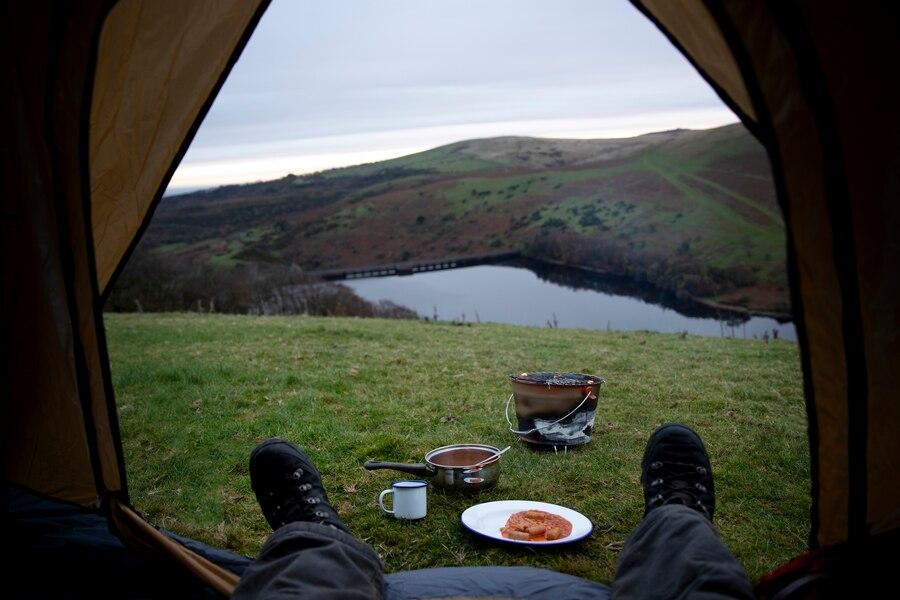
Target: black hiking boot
(288, 487)
(676, 470)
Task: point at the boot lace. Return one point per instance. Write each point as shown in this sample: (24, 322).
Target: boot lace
(678, 483)
(290, 496)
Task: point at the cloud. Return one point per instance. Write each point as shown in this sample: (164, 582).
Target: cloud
(325, 84)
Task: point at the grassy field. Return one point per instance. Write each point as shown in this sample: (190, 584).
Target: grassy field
(196, 393)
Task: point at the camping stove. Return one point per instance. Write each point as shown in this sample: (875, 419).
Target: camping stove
(555, 409)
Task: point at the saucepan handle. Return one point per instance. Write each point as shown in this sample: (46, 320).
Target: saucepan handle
(420, 469)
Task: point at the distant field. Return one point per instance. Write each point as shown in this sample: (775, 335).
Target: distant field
(196, 393)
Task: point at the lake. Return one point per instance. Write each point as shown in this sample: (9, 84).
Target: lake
(541, 295)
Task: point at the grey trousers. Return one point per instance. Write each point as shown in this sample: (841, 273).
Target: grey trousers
(674, 553)
(314, 561)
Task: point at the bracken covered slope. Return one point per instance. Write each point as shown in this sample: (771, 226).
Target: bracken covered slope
(692, 212)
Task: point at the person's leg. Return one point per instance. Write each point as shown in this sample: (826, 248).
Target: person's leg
(309, 560)
(311, 554)
(675, 552)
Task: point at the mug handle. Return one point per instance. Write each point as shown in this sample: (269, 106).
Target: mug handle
(381, 501)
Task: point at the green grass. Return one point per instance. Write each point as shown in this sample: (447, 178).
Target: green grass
(228, 258)
(197, 392)
(253, 234)
(170, 248)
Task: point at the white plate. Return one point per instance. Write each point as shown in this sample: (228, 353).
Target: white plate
(487, 518)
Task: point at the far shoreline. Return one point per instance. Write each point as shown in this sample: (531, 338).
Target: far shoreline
(682, 305)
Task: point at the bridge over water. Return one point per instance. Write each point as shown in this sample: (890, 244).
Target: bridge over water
(412, 267)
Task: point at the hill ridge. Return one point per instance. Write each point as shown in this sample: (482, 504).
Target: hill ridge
(692, 212)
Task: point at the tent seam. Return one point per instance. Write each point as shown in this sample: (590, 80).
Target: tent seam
(837, 196)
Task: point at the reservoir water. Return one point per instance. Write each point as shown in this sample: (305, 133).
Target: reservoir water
(542, 296)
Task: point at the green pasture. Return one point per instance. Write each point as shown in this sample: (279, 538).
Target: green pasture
(197, 392)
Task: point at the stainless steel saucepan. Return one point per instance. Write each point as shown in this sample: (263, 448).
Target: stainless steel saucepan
(464, 467)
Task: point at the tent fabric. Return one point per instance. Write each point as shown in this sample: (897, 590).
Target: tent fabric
(867, 145)
(61, 435)
(157, 66)
(703, 44)
(132, 528)
(104, 96)
(58, 423)
(87, 560)
(820, 76)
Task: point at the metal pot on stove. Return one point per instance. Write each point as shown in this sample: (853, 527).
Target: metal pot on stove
(463, 467)
(556, 409)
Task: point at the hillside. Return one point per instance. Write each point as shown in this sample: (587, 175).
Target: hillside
(692, 212)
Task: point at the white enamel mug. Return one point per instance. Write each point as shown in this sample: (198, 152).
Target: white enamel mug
(409, 499)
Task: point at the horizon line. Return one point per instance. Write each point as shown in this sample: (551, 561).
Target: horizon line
(230, 165)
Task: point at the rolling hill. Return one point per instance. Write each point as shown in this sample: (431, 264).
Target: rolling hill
(691, 212)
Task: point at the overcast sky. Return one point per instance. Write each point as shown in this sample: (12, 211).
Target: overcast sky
(331, 83)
